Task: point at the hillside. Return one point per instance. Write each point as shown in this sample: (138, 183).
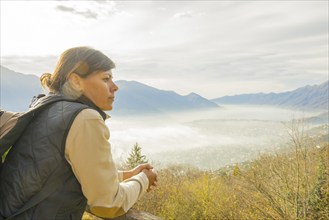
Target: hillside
(289, 184)
(313, 97)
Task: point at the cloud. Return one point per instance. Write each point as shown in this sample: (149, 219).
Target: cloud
(88, 9)
(186, 14)
(41, 64)
(87, 14)
(209, 47)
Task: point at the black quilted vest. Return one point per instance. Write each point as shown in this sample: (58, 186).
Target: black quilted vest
(37, 159)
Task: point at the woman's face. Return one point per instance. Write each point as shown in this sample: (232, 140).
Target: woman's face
(100, 88)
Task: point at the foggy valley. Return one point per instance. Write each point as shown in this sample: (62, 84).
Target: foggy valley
(206, 139)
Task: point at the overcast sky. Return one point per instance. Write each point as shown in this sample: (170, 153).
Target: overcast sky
(213, 48)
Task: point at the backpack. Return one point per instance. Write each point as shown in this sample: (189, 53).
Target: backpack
(12, 126)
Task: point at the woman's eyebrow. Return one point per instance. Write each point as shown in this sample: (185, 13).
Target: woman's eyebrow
(108, 74)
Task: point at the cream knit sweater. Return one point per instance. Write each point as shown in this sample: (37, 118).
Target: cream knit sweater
(89, 154)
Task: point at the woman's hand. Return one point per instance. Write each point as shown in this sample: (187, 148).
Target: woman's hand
(136, 170)
(145, 168)
(152, 177)
(140, 168)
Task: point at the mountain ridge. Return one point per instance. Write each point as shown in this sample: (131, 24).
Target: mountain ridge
(18, 89)
(151, 100)
(304, 98)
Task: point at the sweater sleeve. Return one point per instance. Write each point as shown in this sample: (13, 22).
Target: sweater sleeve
(89, 154)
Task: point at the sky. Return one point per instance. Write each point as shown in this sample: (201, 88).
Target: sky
(212, 48)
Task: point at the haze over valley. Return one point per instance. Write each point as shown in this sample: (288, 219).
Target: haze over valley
(210, 139)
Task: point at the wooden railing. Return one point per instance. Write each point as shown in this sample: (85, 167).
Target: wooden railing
(132, 214)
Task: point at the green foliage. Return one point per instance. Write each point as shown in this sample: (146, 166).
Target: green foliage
(135, 157)
(4, 155)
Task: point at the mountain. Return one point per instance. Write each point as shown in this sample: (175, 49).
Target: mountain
(305, 98)
(17, 90)
(137, 98)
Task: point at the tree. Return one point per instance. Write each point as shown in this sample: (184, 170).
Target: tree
(135, 157)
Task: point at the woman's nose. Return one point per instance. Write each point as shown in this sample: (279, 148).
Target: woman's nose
(114, 87)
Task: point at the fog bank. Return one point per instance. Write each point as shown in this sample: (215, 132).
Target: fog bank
(206, 139)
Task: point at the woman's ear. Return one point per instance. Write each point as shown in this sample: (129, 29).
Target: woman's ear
(76, 82)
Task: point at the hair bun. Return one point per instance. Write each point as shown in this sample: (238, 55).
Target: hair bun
(46, 80)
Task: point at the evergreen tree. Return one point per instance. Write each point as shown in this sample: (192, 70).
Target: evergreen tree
(236, 170)
(135, 157)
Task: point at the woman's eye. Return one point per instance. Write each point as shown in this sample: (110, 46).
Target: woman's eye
(106, 79)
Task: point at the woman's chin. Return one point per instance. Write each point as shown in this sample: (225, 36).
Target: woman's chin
(107, 108)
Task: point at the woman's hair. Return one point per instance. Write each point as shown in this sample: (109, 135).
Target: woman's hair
(80, 60)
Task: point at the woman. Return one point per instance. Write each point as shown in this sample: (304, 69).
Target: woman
(65, 152)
